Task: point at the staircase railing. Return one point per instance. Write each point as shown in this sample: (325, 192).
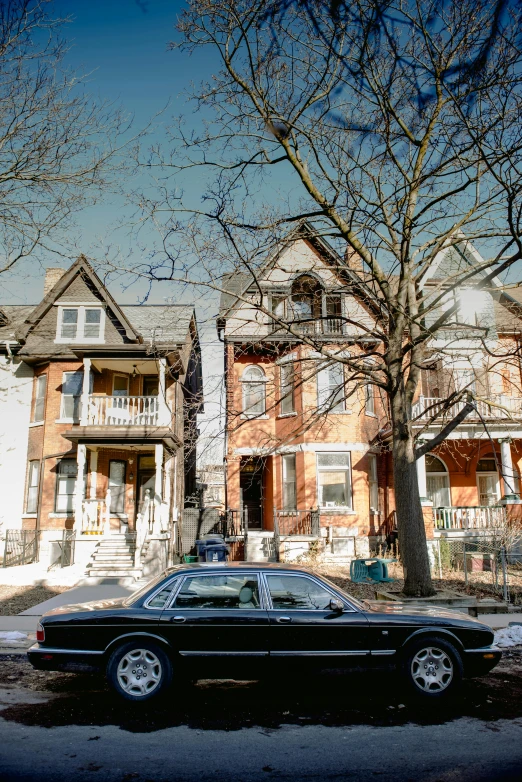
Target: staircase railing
(144, 522)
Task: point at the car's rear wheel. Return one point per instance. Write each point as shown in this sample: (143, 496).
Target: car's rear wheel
(432, 667)
(139, 670)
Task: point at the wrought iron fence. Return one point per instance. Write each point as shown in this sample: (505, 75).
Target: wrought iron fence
(66, 549)
(21, 547)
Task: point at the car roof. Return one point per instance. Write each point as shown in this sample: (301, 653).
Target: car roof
(220, 566)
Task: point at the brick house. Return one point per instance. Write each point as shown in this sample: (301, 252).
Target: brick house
(109, 439)
(307, 456)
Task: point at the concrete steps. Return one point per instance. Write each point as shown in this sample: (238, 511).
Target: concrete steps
(114, 558)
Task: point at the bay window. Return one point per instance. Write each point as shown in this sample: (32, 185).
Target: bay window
(33, 481)
(39, 398)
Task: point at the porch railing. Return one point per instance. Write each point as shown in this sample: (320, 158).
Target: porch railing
(297, 522)
(472, 518)
(503, 407)
(320, 326)
(96, 515)
(126, 411)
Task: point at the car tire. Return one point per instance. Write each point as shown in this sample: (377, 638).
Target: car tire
(139, 670)
(432, 667)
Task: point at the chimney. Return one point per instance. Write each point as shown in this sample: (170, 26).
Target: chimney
(51, 278)
(353, 260)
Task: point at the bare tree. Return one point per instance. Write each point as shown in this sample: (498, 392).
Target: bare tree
(395, 127)
(57, 145)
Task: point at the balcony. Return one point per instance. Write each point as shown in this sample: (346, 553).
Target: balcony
(480, 517)
(105, 410)
(325, 327)
(503, 408)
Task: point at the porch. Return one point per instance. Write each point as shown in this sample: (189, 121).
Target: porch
(503, 407)
(469, 518)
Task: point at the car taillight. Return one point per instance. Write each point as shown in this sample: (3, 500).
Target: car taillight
(40, 633)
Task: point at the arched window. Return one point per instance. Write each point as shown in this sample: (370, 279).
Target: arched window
(254, 395)
(437, 482)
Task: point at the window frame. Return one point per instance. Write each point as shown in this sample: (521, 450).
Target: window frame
(349, 487)
(440, 474)
(261, 591)
(373, 482)
(324, 405)
(285, 481)
(39, 398)
(71, 419)
(270, 606)
(81, 322)
(29, 486)
(65, 512)
(288, 383)
(245, 381)
(369, 397)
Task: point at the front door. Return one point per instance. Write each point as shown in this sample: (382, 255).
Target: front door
(146, 480)
(488, 489)
(251, 488)
(302, 624)
(220, 616)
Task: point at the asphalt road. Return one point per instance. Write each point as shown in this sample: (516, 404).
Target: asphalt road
(334, 727)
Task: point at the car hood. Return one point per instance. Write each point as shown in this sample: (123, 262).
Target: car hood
(401, 609)
(95, 605)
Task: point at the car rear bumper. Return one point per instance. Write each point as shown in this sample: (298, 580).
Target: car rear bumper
(46, 658)
(477, 662)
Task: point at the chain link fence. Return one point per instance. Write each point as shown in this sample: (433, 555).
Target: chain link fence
(481, 564)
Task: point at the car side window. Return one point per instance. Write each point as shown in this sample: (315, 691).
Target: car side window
(160, 599)
(297, 593)
(221, 591)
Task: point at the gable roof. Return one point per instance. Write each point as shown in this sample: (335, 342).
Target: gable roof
(162, 323)
(80, 267)
(14, 316)
(237, 283)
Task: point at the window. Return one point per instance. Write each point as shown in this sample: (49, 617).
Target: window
(286, 388)
(80, 324)
(117, 485)
(369, 399)
(218, 592)
(333, 310)
(298, 593)
(33, 475)
(66, 476)
(161, 598)
(278, 305)
(39, 398)
(333, 480)
(289, 484)
(437, 482)
(487, 481)
(330, 389)
(253, 380)
(373, 483)
(120, 385)
(72, 383)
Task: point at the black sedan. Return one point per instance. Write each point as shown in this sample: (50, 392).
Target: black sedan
(241, 620)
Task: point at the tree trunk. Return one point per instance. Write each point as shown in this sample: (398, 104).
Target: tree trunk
(410, 522)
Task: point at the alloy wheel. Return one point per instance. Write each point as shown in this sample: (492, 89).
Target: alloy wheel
(432, 669)
(139, 672)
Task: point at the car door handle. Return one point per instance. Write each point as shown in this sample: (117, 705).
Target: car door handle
(284, 620)
(177, 619)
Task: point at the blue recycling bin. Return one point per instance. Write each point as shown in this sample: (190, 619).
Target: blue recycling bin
(212, 548)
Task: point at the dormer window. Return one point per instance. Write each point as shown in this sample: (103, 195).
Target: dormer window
(80, 323)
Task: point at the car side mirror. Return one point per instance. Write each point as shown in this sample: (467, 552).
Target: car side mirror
(336, 605)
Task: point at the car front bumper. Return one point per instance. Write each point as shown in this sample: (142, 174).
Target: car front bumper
(478, 662)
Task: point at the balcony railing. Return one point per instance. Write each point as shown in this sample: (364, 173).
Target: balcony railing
(503, 407)
(126, 411)
(469, 518)
(320, 326)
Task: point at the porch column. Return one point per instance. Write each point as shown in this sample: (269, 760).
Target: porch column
(80, 487)
(163, 408)
(158, 454)
(84, 419)
(421, 478)
(508, 474)
(93, 469)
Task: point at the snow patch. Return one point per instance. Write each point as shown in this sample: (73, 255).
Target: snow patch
(12, 635)
(509, 636)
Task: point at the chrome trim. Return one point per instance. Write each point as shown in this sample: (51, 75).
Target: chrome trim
(50, 650)
(323, 653)
(350, 609)
(223, 654)
(482, 650)
(383, 652)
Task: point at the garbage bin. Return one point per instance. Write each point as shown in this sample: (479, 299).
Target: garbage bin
(212, 548)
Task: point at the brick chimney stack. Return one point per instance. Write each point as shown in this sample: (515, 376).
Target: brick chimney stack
(353, 260)
(51, 278)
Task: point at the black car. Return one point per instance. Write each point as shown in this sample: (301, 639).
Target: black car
(241, 620)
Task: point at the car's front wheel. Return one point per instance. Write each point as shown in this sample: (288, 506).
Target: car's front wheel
(139, 670)
(432, 667)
